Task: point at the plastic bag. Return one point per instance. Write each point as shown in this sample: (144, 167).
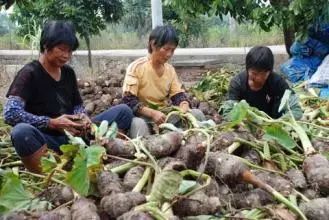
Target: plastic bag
(297, 69)
(321, 76)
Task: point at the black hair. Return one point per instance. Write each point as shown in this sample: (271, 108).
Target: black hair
(58, 32)
(260, 58)
(162, 35)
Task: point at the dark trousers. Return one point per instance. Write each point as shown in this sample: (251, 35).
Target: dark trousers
(27, 139)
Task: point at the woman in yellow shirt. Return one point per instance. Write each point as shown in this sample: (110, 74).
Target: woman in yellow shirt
(151, 79)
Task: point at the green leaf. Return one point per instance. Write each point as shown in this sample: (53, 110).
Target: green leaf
(186, 186)
(153, 105)
(13, 195)
(75, 140)
(94, 155)
(112, 131)
(103, 128)
(69, 150)
(238, 113)
(277, 133)
(48, 163)
(78, 177)
(165, 186)
(284, 99)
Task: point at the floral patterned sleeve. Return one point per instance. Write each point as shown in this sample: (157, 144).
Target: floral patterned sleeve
(14, 113)
(78, 109)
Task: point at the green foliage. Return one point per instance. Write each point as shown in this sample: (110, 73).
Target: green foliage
(166, 186)
(138, 16)
(213, 86)
(296, 14)
(277, 133)
(238, 113)
(13, 196)
(88, 16)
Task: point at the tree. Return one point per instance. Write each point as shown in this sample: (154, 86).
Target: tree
(138, 18)
(293, 16)
(88, 16)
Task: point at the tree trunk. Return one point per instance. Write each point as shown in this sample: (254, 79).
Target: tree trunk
(289, 37)
(87, 39)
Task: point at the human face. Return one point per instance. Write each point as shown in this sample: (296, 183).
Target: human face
(59, 55)
(164, 53)
(257, 78)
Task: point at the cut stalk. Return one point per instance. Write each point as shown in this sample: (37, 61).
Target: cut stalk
(142, 182)
(123, 168)
(248, 177)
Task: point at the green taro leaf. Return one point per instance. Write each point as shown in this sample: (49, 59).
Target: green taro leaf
(153, 105)
(94, 155)
(277, 133)
(165, 186)
(78, 177)
(238, 113)
(75, 140)
(103, 128)
(284, 99)
(69, 150)
(13, 195)
(112, 131)
(48, 163)
(187, 186)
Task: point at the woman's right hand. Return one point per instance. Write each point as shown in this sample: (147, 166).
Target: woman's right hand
(158, 117)
(66, 122)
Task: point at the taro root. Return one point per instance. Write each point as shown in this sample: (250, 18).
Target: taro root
(13, 216)
(229, 169)
(279, 183)
(59, 195)
(192, 152)
(132, 177)
(58, 214)
(84, 209)
(135, 215)
(251, 199)
(108, 182)
(316, 169)
(251, 155)
(197, 204)
(118, 204)
(205, 108)
(191, 155)
(311, 194)
(120, 148)
(297, 178)
(212, 189)
(321, 145)
(317, 209)
(225, 139)
(163, 145)
(171, 163)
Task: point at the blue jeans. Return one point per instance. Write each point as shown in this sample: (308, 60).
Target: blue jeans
(27, 139)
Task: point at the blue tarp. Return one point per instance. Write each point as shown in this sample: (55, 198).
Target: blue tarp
(324, 93)
(307, 57)
(298, 68)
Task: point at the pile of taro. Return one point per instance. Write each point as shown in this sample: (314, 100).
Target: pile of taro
(246, 166)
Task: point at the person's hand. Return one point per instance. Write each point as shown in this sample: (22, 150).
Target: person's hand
(85, 121)
(68, 123)
(158, 117)
(184, 106)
